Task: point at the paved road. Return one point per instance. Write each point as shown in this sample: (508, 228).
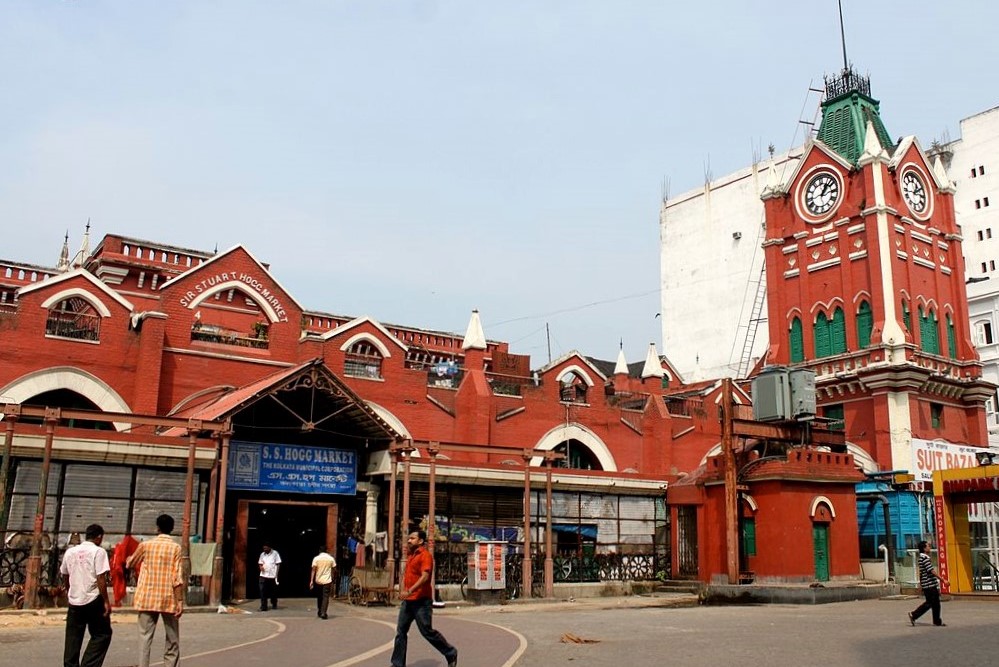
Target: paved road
(871, 633)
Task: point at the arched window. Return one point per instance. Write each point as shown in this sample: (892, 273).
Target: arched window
(572, 388)
(821, 332)
(73, 318)
(363, 360)
(906, 318)
(837, 332)
(929, 338)
(951, 338)
(797, 340)
(70, 400)
(830, 335)
(577, 456)
(865, 324)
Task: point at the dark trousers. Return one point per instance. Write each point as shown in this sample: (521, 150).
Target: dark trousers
(323, 597)
(268, 591)
(932, 601)
(88, 617)
(423, 613)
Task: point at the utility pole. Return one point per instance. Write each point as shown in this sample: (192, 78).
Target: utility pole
(731, 491)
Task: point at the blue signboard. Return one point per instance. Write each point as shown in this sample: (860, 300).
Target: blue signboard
(265, 467)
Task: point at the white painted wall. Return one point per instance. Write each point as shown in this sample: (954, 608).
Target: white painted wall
(979, 147)
(708, 276)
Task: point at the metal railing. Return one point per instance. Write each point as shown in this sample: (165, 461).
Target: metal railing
(511, 385)
(214, 335)
(445, 379)
(986, 575)
(629, 563)
(14, 565)
(79, 326)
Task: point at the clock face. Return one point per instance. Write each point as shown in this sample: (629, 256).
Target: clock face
(822, 193)
(914, 192)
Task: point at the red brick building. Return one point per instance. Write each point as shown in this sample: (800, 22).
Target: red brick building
(866, 287)
(140, 328)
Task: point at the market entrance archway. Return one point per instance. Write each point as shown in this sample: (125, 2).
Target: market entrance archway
(954, 491)
(296, 530)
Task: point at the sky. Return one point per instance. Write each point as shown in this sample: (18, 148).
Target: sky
(415, 160)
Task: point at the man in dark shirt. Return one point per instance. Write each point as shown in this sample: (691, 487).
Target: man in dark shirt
(417, 597)
(929, 582)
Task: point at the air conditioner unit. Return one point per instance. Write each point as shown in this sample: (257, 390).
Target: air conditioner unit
(737, 235)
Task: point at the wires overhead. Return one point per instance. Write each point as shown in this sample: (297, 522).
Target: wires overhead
(572, 309)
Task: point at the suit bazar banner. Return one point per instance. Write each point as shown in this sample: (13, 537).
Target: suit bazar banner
(931, 455)
(267, 467)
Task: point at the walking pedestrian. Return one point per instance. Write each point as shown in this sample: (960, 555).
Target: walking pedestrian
(84, 572)
(323, 566)
(269, 563)
(159, 593)
(417, 603)
(929, 581)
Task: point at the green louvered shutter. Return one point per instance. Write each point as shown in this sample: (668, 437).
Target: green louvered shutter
(951, 339)
(837, 332)
(905, 317)
(822, 344)
(865, 324)
(929, 341)
(748, 536)
(797, 342)
(835, 413)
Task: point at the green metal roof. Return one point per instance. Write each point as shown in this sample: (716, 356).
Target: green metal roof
(845, 113)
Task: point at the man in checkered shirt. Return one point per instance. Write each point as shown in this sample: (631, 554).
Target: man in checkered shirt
(159, 591)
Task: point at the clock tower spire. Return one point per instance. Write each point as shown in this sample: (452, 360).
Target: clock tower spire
(865, 284)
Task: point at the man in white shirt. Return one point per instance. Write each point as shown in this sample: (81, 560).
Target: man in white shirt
(322, 576)
(269, 563)
(84, 572)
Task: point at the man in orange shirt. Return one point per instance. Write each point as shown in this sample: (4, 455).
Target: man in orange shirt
(417, 603)
(159, 591)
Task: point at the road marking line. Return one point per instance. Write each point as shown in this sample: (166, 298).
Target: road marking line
(280, 628)
(520, 638)
(371, 653)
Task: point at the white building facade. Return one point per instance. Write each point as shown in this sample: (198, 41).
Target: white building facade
(973, 164)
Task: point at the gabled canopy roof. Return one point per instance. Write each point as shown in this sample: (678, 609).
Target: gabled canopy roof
(307, 397)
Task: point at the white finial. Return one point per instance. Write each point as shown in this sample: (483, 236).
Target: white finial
(64, 255)
(475, 339)
(84, 252)
(873, 151)
(773, 187)
(621, 367)
(946, 185)
(653, 367)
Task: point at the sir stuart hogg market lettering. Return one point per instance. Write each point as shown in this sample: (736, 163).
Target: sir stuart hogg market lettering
(310, 455)
(221, 279)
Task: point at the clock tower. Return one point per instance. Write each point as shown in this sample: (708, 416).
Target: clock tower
(865, 285)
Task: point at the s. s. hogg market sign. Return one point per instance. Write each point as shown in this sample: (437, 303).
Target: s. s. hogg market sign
(269, 467)
(931, 455)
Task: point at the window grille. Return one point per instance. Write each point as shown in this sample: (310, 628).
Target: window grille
(73, 318)
(363, 360)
